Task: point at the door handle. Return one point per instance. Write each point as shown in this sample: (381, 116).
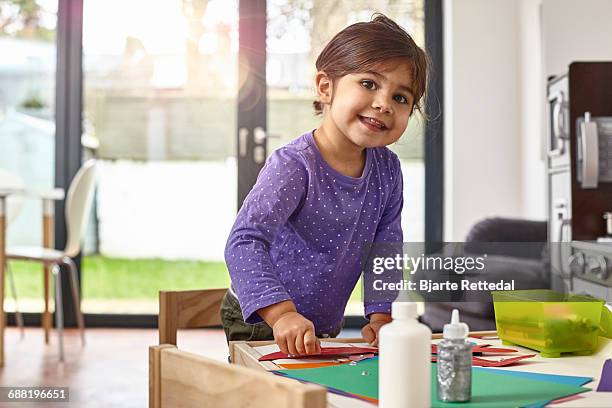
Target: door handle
(259, 135)
(259, 151)
(243, 134)
(259, 140)
(259, 154)
(590, 152)
(559, 123)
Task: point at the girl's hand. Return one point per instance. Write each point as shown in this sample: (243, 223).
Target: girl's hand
(370, 330)
(295, 334)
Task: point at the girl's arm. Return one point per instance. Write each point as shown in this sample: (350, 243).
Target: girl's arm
(278, 192)
(293, 333)
(370, 330)
(389, 236)
(272, 313)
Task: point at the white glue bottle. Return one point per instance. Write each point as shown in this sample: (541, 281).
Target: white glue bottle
(455, 362)
(404, 379)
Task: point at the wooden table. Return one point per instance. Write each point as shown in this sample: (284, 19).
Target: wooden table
(243, 353)
(47, 197)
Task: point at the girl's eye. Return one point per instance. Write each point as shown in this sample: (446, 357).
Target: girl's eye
(368, 84)
(371, 85)
(400, 99)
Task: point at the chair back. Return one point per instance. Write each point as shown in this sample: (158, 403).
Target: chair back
(186, 309)
(14, 203)
(78, 205)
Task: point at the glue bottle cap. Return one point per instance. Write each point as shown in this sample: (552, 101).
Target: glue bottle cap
(455, 329)
(404, 310)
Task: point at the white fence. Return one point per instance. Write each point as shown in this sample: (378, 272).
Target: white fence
(153, 209)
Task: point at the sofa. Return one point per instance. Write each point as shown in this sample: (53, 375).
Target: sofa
(516, 249)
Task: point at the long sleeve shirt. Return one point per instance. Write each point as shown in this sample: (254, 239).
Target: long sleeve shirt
(300, 232)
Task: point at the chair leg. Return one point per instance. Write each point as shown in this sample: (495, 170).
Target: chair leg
(74, 285)
(59, 310)
(47, 323)
(18, 315)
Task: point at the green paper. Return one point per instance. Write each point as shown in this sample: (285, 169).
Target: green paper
(361, 379)
(489, 390)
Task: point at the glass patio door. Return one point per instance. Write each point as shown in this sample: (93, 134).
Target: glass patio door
(160, 111)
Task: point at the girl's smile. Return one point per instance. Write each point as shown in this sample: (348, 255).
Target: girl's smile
(367, 109)
(363, 110)
(372, 124)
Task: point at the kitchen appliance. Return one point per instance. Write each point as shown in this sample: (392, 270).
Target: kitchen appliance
(579, 178)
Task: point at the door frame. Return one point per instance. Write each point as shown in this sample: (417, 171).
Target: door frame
(252, 109)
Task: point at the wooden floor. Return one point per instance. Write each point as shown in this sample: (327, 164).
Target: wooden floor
(110, 371)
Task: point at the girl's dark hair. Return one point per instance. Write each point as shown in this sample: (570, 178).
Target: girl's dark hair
(363, 46)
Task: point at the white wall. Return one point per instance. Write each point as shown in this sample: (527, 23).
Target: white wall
(482, 133)
(532, 111)
(574, 31)
(498, 54)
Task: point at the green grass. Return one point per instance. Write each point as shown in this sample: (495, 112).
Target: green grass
(114, 278)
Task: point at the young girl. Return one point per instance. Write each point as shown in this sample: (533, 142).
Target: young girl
(294, 251)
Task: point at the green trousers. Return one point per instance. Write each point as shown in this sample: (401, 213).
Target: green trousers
(237, 330)
(234, 326)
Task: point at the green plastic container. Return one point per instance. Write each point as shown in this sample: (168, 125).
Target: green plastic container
(548, 321)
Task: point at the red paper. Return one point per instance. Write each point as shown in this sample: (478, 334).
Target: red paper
(481, 348)
(325, 352)
(483, 362)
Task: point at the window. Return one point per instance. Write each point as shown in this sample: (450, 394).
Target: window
(27, 126)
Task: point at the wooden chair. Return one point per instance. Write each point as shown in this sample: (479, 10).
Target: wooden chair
(181, 379)
(187, 309)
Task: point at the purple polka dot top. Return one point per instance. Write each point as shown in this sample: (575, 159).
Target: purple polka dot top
(300, 232)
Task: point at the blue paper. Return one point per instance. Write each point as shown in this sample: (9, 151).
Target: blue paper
(560, 379)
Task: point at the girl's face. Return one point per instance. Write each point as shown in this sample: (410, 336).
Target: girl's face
(372, 108)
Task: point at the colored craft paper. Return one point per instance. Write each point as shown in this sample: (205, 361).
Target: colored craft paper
(288, 361)
(591, 399)
(561, 379)
(273, 348)
(480, 349)
(299, 366)
(483, 362)
(567, 399)
(605, 383)
(336, 391)
(360, 379)
(346, 377)
(325, 351)
(489, 389)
